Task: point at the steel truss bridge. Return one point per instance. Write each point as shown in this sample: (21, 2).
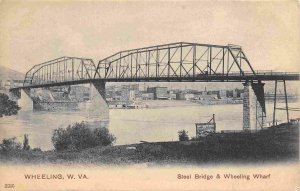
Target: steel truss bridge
(177, 62)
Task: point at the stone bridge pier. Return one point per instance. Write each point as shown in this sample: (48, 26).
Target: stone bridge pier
(23, 99)
(98, 107)
(254, 109)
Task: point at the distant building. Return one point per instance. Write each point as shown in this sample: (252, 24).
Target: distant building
(148, 96)
(124, 94)
(215, 92)
(235, 93)
(18, 83)
(203, 93)
(9, 79)
(135, 88)
(5, 85)
(175, 91)
(205, 97)
(229, 93)
(242, 95)
(238, 92)
(79, 93)
(185, 96)
(171, 95)
(159, 92)
(222, 94)
(180, 96)
(131, 95)
(189, 96)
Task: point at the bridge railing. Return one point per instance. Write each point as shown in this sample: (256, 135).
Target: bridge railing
(262, 72)
(274, 73)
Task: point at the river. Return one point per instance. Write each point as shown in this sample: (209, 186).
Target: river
(131, 125)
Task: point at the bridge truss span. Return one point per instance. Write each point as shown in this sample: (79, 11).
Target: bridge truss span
(177, 60)
(60, 70)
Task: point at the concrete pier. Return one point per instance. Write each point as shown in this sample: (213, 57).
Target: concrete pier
(25, 101)
(254, 110)
(98, 107)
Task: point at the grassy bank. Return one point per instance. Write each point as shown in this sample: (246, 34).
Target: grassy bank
(279, 143)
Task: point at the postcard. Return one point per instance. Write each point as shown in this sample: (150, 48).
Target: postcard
(142, 95)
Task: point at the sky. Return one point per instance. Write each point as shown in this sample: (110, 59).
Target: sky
(33, 32)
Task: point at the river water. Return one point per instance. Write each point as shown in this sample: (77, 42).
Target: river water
(131, 125)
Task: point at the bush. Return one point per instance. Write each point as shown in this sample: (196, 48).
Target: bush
(183, 135)
(79, 136)
(37, 149)
(7, 107)
(10, 144)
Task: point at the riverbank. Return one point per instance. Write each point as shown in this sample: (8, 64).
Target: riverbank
(185, 103)
(275, 144)
(168, 103)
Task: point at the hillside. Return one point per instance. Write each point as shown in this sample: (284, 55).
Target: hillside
(9, 74)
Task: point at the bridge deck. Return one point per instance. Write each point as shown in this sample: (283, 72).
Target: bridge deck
(198, 78)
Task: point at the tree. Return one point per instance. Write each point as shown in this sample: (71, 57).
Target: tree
(7, 106)
(80, 136)
(10, 144)
(26, 143)
(183, 135)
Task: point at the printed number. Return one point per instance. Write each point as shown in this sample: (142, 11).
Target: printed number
(9, 186)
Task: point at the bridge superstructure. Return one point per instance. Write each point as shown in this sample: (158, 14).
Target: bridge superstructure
(175, 62)
(179, 62)
(60, 70)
